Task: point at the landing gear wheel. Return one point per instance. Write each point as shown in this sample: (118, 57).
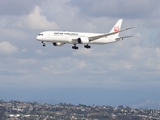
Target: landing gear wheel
(75, 47)
(44, 44)
(87, 46)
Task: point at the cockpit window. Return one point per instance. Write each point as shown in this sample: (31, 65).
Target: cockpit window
(40, 34)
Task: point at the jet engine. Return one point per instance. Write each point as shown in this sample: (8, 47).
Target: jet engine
(58, 44)
(84, 40)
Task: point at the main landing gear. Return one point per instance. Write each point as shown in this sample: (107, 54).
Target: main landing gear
(87, 46)
(75, 47)
(43, 44)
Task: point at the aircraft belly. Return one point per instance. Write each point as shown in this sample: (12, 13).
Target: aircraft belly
(102, 41)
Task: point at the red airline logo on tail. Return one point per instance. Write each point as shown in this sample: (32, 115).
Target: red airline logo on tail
(116, 29)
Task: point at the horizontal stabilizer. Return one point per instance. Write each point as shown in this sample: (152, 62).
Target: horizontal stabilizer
(127, 29)
(121, 38)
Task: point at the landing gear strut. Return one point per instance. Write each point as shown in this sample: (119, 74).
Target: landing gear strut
(74, 47)
(87, 46)
(43, 44)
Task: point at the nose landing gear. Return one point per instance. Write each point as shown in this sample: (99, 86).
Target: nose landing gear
(43, 44)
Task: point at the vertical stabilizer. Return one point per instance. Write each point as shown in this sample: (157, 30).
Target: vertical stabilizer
(117, 27)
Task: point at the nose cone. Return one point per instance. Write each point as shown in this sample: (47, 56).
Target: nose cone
(40, 36)
(37, 37)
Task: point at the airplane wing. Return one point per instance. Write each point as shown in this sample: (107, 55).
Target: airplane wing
(92, 38)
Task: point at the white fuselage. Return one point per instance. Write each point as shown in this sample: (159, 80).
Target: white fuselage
(70, 37)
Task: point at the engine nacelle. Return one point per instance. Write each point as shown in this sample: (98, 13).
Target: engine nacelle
(58, 44)
(84, 40)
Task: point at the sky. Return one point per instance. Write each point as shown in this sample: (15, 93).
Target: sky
(122, 73)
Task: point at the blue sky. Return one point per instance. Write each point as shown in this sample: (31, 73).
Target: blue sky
(125, 68)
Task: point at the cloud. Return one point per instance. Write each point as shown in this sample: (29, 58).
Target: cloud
(117, 9)
(7, 48)
(24, 50)
(63, 65)
(40, 52)
(13, 34)
(16, 7)
(36, 21)
(132, 63)
(129, 64)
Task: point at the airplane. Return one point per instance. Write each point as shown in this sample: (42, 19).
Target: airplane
(59, 38)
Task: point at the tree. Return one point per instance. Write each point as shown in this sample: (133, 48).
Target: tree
(128, 108)
(2, 115)
(1, 101)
